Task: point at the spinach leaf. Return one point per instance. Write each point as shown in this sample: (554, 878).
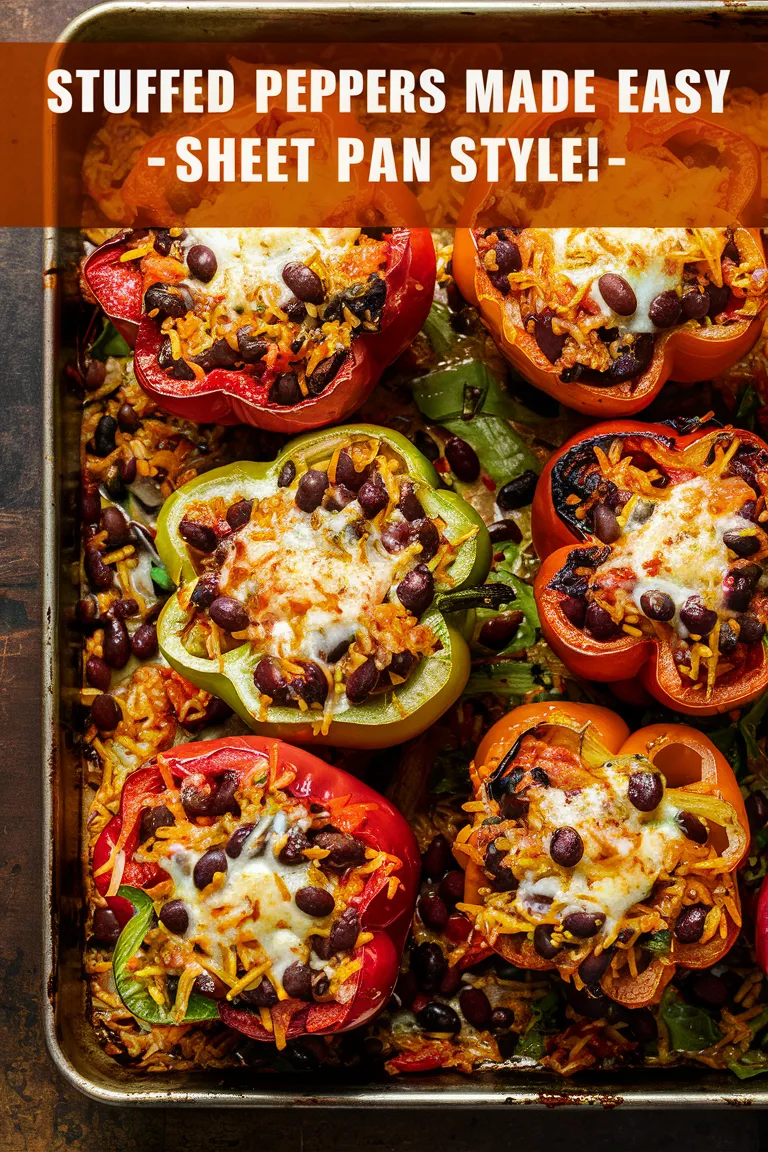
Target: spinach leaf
(501, 678)
(658, 942)
(530, 1044)
(749, 403)
(108, 343)
(546, 1014)
(524, 601)
(133, 993)
(754, 1061)
(690, 1029)
(749, 724)
(468, 401)
(437, 329)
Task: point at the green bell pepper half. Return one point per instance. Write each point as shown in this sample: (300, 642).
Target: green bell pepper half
(437, 681)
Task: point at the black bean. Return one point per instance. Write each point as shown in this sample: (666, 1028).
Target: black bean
(550, 344)
(128, 418)
(464, 461)
(743, 544)
(144, 642)
(493, 863)
(574, 610)
(500, 282)
(402, 664)
(206, 590)
(344, 931)
(665, 310)
(168, 300)
(583, 924)
(229, 614)
(657, 605)
(106, 926)
(222, 798)
(689, 925)
(221, 354)
(326, 371)
(502, 1019)
(345, 850)
(757, 810)
(294, 310)
(542, 941)
(99, 574)
(738, 589)
(314, 901)
(98, 673)
(297, 981)
(210, 986)
(451, 982)
(211, 862)
(631, 362)
(271, 681)
(202, 262)
(127, 470)
(502, 530)
(718, 299)
(305, 284)
(475, 1007)
(618, 294)
(727, 639)
(347, 474)
(600, 623)
(438, 857)
(698, 619)
(321, 986)
(710, 989)
(566, 847)
(287, 474)
(362, 682)
(433, 912)
(311, 489)
(499, 632)
(95, 375)
(428, 536)
(751, 629)
(292, 851)
(695, 304)
(396, 536)
(321, 946)
(428, 964)
(154, 818)
(416, 590)
(604, 524)
(593, 966)
(338, 497)
(645, 790)
(105, 713)
(409, 504)
(427, 446)
(239, 513)
(693, 828)
(513, 806)
(451, 887)
(373, 496)
(198, 536)
(508, 258)
(285, 391)
(234, 846)
(116, 645)
(250, 346)
(262, 996)
(174, 916)
(437, 1017)
(90, 505)
(311, 686)
(518, 492)
(104, 436)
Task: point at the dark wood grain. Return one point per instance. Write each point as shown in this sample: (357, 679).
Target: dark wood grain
(37, 1112)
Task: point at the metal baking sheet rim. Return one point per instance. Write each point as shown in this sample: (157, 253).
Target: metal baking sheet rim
(113, 1084)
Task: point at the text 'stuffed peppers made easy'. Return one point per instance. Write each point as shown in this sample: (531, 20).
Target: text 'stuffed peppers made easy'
(310, 588)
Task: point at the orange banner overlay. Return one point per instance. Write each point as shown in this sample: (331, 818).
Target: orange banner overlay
(109, 136)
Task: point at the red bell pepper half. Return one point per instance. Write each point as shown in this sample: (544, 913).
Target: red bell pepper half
(356, 808)
(239, 397)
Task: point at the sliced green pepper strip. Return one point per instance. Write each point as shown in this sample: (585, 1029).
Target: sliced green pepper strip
(131, 991)
(385, 719)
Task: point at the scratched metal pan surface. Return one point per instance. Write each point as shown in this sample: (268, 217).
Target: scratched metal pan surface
(70, 1041)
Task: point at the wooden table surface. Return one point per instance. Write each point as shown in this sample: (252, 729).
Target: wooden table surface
(37, 1112)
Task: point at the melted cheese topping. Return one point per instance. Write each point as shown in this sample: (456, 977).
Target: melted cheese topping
(251, 260)
(679, 549)
(625, 850)
(254, 903)
(649, 259)
(311, 583)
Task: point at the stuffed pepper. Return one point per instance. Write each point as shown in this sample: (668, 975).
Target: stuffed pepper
(654, 550)
(307, 588)
(601, 317)
(258, 885)
(286, 329)
(608, 857)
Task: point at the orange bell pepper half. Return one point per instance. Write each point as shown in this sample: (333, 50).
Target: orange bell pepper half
(686, 351)
(634, 519)
(619, 918)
